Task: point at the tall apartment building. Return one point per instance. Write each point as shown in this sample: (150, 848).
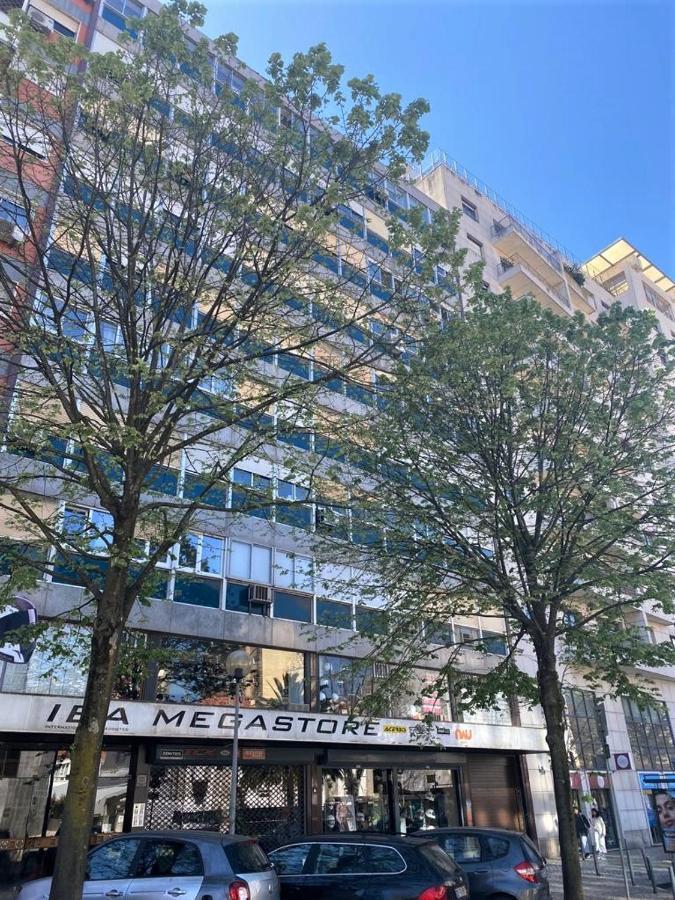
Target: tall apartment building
(305, 765)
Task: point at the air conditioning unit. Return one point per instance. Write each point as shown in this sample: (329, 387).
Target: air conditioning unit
(40, 21)
(260, 593)
(9, 233)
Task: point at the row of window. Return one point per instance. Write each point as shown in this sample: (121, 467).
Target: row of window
(174, 669)
(212, 571)
(649, 732)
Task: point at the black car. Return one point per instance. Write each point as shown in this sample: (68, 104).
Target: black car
(363, 866)
(500, 864)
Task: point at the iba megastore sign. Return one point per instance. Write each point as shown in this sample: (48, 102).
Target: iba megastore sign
(28, 712)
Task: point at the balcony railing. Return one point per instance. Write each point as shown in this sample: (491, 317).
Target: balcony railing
(508, 265)
(510, 223)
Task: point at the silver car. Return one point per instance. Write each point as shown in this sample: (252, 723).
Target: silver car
(191, 865)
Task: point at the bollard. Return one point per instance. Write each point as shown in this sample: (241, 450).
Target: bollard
(649, 870)
(595, 861)
(630, 863)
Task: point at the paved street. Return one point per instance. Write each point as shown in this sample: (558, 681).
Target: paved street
(609, 885)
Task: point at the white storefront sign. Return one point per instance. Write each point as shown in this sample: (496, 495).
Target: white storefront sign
(40, 714)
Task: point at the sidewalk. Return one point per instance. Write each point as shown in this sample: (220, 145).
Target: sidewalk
(610, 885)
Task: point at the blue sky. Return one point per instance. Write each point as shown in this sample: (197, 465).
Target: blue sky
(565, 108)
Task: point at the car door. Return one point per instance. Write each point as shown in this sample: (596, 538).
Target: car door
(497, 855)
(109, 869)
(289, 862)
(166, 868)
(466, 849)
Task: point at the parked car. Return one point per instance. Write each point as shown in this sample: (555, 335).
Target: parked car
(361, 866)
(500, 864)
(191, 865)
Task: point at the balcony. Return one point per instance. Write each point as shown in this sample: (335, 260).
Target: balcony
(581, 297)
(520, 275)
(510, 238)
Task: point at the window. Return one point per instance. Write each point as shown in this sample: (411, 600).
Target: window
(57, 315)
(246, 856)
(357, 859)
(333, 615)
(370, 621)
(582, 717)
(464, 848)
(92, 526)
(194, 671)
(247, 488)
(298, 514)
(227, 77)
(439, 633)
(14, 213)
(250, 562)
(466, 634)
(293, 571)
(616, 285)
(112, 860)
(117, 11)
(475, 246)
(202, 553)
(495, 643)
(160, 859)
(469, 209)
(290, 860)
(495, 847)
(650, 736)
(292, 606)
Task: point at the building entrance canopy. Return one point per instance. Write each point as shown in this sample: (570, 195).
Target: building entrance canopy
(48, 714)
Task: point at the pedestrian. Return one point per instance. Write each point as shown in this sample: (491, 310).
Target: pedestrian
(599, 830)
(582, 826)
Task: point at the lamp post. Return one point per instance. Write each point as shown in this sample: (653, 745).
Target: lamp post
(238, 665)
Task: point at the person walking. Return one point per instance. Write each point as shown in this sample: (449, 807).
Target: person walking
(582, 826)
(599, 832)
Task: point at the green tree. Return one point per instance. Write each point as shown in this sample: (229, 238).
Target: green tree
(190, 246)
(523, 467)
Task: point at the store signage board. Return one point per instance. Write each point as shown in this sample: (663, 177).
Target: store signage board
(657, 781)
(33, 713)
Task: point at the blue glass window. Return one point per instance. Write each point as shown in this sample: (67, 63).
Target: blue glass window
(197, 591)
(292, 606)
(335, 615)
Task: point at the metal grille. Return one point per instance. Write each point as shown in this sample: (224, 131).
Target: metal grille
(270, 800)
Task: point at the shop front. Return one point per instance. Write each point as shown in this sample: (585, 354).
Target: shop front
(167, 765)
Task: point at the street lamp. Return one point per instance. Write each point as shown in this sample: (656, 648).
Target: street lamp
(238, 665)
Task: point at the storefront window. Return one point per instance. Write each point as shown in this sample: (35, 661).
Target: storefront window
(582, 716)
(428, 799)
(356, 800)
(111, 792)
(343, 684)
(193, 671)
(33, 785)
(58, 666)
(650, 735)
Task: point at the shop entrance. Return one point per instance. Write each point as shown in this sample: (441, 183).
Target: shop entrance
(389, 800)
(428, 798)
(270, 800)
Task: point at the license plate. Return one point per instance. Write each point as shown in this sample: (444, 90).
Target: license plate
(460, 892)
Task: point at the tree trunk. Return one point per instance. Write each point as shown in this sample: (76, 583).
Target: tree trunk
(78, 810)
(553, 705)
